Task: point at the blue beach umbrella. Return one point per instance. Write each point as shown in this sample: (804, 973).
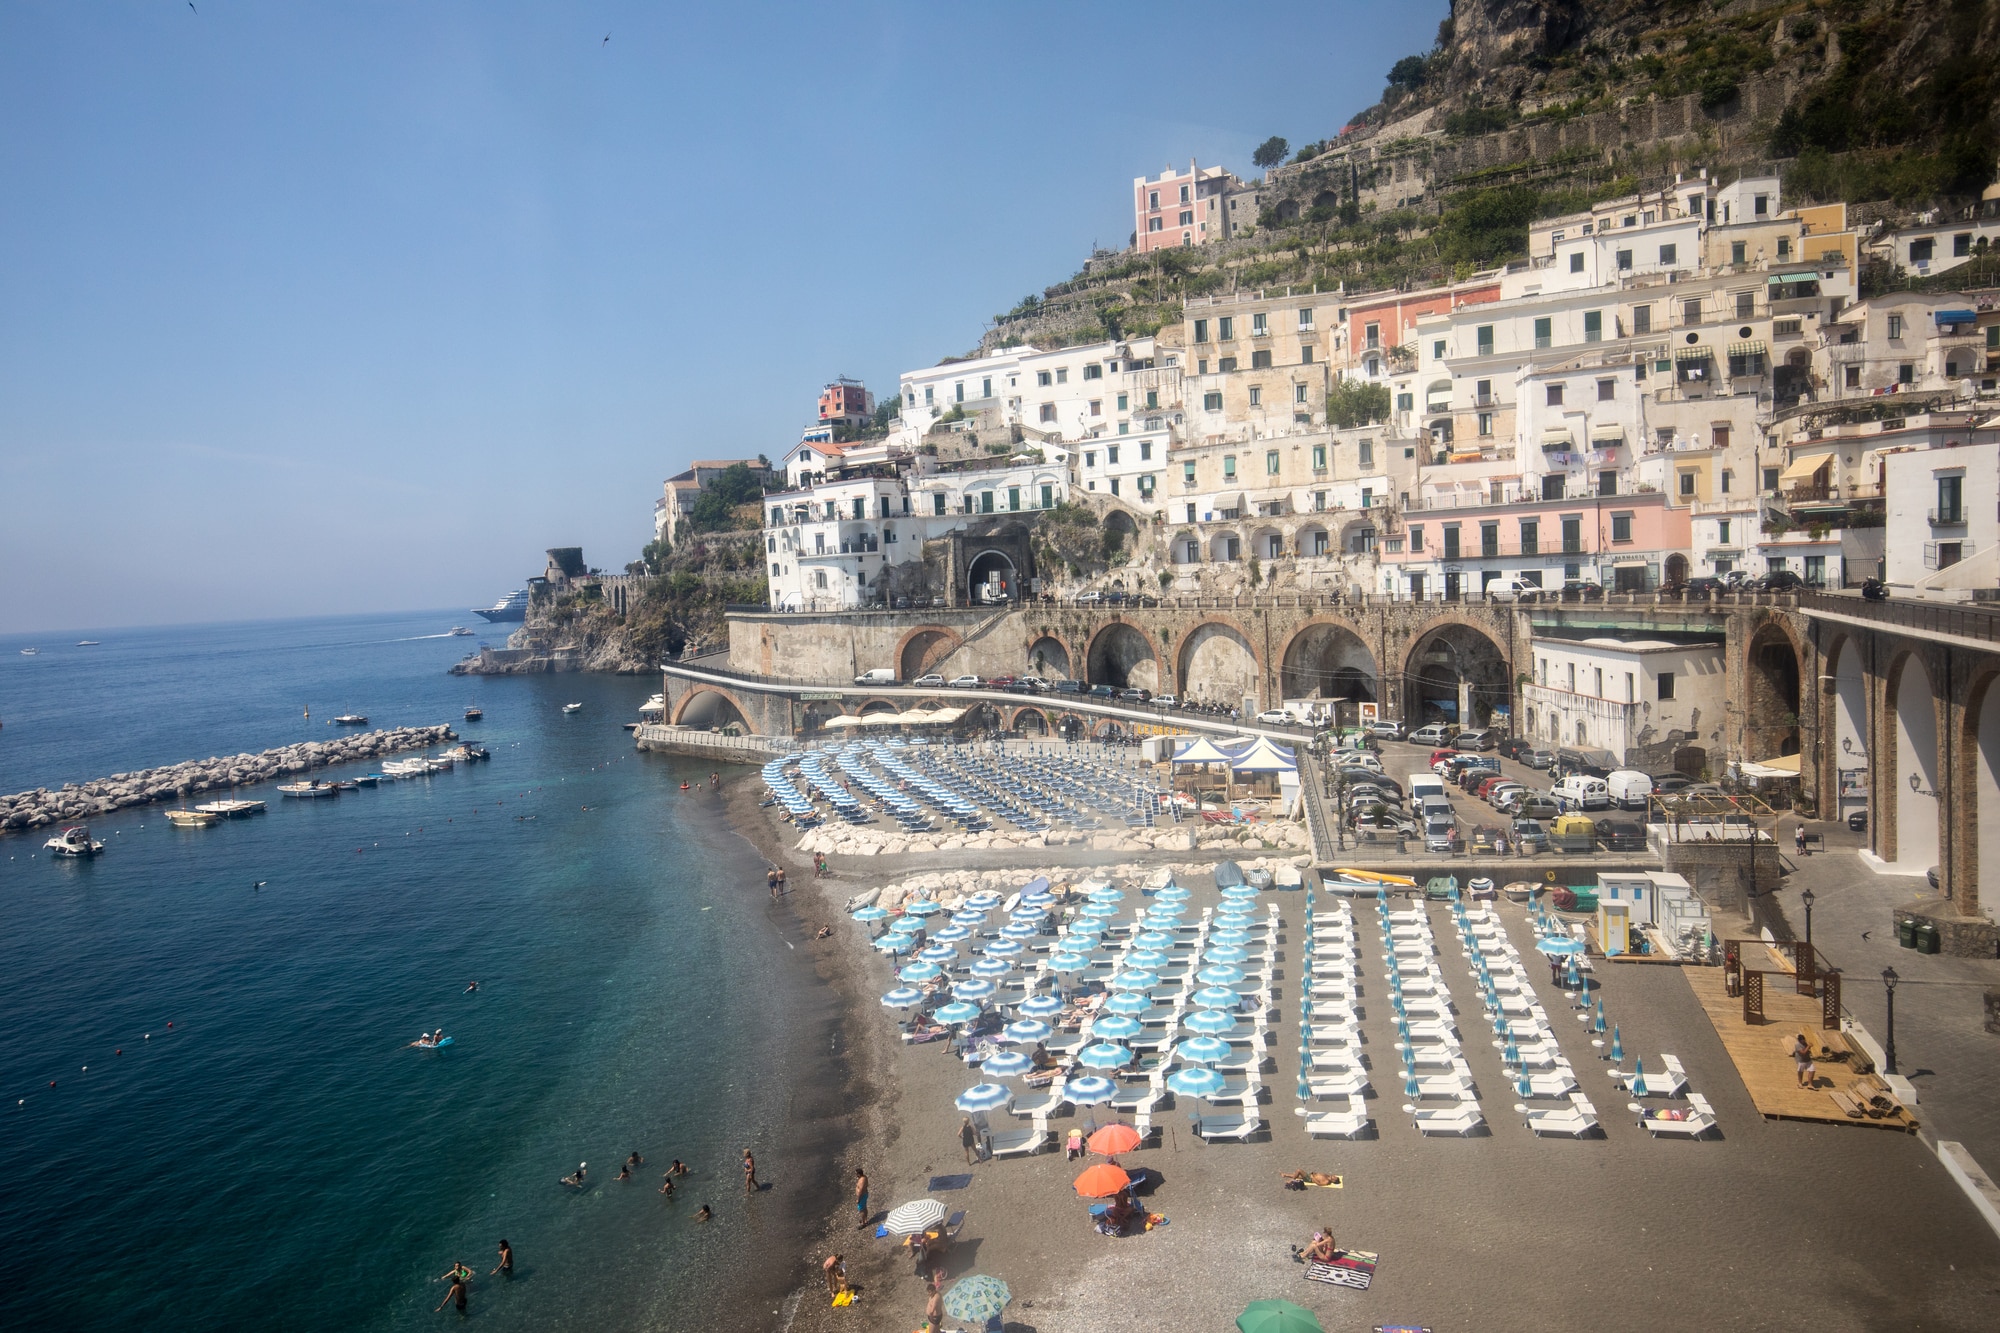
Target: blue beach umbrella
(1006, 1064)
(958, 1011)
(1201, 1050)
(1638, 1084)
(1062, 961)
(989, 967)
(903, 997)
(1225, 953)
(1020, 930)
(920, 971)
(1027, 1029)
(1041, 1006)
(1104, 1055)
(1152, 939)
(1128, 1002)
(983, 898)
(1575, 972)
(984, 1097)
(937, 953)
(976, 989)
(1522, 1086)
(1103, 911)
(1617, 1048)
(1229, 935)
(1004, 948)
(1240, 893)
(1086, 928)
(1597, 1025)
(922, 907)
(894, 942)
(1216, 997)
(1219, 974)
(1195, 1081)
(1136, 979)
(1150, 959)
(1090, 1090)
(968, 918)
(1210, 1022)
(1173, 893)
(1116, 1027)
(1512, 1054)
(872, 913)
(951, 934)
(1558, 945)
(977, 1300)
(1410, 1084)
(1107, 894)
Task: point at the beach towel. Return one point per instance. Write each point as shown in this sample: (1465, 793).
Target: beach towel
(1350, 1268)
(1400, 1328)
(1338, 1182)
(947, 1183)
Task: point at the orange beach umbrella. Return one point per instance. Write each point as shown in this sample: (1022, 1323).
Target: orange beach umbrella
(1114, 1139)
(1102, 1181)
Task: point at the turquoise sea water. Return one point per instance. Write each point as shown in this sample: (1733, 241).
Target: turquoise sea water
(278, 1156)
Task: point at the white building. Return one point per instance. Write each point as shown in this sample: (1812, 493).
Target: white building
(1131, 467)
(1941, 515)
(1643, 700)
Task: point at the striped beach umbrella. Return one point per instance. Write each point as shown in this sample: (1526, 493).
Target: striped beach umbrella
(1104, 1055)
(951, 934)
(978, 988)
(1004, 948)
(1027, 1029)
(1210, 1022)
(1195, 1081)
(1105, 893)
(922, 907)
(969, 917)
(937, 953)
(1152, 939)
(958, 1011)
(1216, 997)
(921, 971)
(1149, 959)
(903, 997)
(1128, 1002)
(1225, 953)
(1136, 979)
(918, 1215)
(1090, 1090)
(872, 913)
(1041, 1006)
(984, 1097)
(1103, 911)
(990, 967)
(1172, 893)
(1202, 1050)
(1116, 1027)
(1229, 935)
(1021, 930)
(1006, 1064)
(1064, 961)
(1220, 974)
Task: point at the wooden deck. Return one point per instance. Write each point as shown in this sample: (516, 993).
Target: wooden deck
(1758, 1052)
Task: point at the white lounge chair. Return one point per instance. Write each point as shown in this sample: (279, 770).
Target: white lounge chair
(1557, 1082)
(1431, 1055)
(1043, 1106)
(1576, 1120)
(1141, 1098)
(1349, 1082)
(1700, 1119)
(1442, 1087)
(1213, 1127)
(1341, 1124)
(1020, 1142)
(1461, 1118)
(1247, 1093)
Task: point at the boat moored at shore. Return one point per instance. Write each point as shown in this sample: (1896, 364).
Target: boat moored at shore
(307, 790)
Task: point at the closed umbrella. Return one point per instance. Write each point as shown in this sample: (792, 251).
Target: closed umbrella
(1102, 1181)
(958, 1011)
(1195, 1081)
(1638, 1084)
(917, 1216)
(1114, 1139)
(1597, 1025)
(903, 997)
(1006, 1064)
(1277, 1317)
(977, 1300)
(1104, 1055)
(921, 971)
(1617, 1048)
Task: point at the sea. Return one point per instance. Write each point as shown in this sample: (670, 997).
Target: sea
(212, 1116)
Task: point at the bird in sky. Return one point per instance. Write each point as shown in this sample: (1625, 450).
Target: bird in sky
(607, 36)
(191, 6)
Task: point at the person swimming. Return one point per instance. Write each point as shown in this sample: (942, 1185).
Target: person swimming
(702, 1214)
(575, 1181)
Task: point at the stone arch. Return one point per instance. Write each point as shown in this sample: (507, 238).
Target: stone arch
(814, 715)
(1219, 661)
(1676, 569)
(1122, 654)
(1267, 543)
(1070, 725)
(1030, 721)
(1913, 725)
(1049, 656)
(1107, 727)
(922, 649)
(1328, 659)
(1184, 548)
(1449, 652)
(983, 716)
(1979, 798)
(1326, 199)
(1848, 736)
(1224, 546)
(989, 566)
(1315, 540)
(1288, 210)
(1771, 670)
(713, 706)
(873, 707)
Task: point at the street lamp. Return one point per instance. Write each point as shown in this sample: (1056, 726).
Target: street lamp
(1807, 899)
(1889, 980)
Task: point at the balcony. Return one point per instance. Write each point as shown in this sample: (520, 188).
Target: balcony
(1953, 517)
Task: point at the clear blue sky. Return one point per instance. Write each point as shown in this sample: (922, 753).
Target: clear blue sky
(312, 308)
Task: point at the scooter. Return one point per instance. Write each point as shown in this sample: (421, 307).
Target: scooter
(1874, 590)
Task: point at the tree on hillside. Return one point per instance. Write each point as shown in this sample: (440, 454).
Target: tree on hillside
(1270, 153)
(1356, 403)
(715, 509)
(1408, 73)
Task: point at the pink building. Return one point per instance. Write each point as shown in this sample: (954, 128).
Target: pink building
(1377, 323)
(1622, 543)
(1179, 207)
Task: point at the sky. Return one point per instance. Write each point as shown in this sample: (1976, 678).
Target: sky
(314, 308)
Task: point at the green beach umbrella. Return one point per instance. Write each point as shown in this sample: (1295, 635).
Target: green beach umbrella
(1277, 1317)
(977, 1299)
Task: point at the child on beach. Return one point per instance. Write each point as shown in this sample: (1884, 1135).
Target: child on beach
(1074, 1147)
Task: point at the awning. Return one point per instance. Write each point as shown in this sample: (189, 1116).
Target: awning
(1786, 763)
(1812, 276)
(1557, 438)
(1693, 354)
(1746, 349)
(947, 715)
(1799, 469)
(844, 720)
(1607, 433)
(1202, 751)
(1957, 317)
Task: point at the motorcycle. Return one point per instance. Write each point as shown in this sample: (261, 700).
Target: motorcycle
(1874, 590)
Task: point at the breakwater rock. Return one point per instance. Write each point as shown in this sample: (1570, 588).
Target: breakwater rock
(33, 809)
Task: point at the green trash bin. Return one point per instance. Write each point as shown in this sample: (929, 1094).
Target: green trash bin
(1906, 933)
(1927, 938)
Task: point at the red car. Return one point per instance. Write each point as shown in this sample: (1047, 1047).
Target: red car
(1002, 683)
(1439, 755)
(1486, 787)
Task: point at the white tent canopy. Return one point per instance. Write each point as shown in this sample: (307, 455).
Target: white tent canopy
(1202, 751)
(1264, 757)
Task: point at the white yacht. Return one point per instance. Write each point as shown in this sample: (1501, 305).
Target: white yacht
(572, 708)
(74, 841)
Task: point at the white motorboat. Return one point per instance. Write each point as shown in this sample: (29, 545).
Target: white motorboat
(351, 720)
(30, 652)
(74, 841)
(572, 708)
(460, 632)
(307, 790)
(404, 768)
(86, 643)
(193, 818)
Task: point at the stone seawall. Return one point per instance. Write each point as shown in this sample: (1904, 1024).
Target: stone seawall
(34, 809)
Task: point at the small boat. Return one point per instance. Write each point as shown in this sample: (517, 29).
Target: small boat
(572, 708)
(368, 779)
(307, 790)
(74, 841)
(346, 785)
(1257, 879)
(1482, 888)
(405, 768)
(86, 643)
(473, 715)
(30, 652)
(1372, 880)
(1441, 888)
(1228, 875)
(1520, 890)
(193, 818)
(351, 720)
(460, 632)
(231, 809)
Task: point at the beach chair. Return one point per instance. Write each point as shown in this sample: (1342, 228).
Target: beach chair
(1138, 1100)
(1674, 1082)
(1460, 1119)
(1020, 1142)
(1575, 1120)
(1696, 1121)
(1350, 1081)
(1432, 1055)
(1238, 1127)
(1247, 1093)
(1044, 1106)
(1557, 1082)
(1339, 1124)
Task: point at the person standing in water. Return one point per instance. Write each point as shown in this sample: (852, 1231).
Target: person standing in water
(455, 1295)
(506, 1268)
(860, 1197)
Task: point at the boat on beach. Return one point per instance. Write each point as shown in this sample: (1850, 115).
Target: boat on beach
(74, 841)
(307, 790)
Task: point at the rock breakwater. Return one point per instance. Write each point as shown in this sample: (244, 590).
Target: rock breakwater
(34, 809)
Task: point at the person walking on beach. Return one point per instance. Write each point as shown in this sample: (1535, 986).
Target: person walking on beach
(968, 1138)
(860, 1197)
(771, 882)
(782, 889)
(506, 1268)
(749, 1173)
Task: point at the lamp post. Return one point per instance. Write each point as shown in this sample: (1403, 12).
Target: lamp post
(1807, 899)
(1889, 980)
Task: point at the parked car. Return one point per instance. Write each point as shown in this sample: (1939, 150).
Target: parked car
(1513, 747)
(1528, 835)
(931, 682)
(1487, 785)
(1780, 580)
(1535, 806)
(1369, 777)
(1090, 598)
(1543, 759)
(1509, 588)
(1381, 820)
(1857, 821)
(1508, 795)
(1391, 731)
(1579, 792)
(966, 682)
(1166, 701)
(1475, 740)
(1103, 692)
(877, 676)
(1667, 783)
(1276, 717)
(1438, 836)
(1132, 694)
(1706, 586)
(1002, 683)
(1069, 687)
(1580, 590)
(1620, 835)
(1367, 795)
(1437, 733)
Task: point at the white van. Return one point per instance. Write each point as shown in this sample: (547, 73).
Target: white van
(1421, 784)
(1578, 792)
(1629, 788)
(877, 676)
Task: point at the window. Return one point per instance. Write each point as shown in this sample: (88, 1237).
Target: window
(1437, 349)
(1961, 244)
(1621, 527)
(1319, 507)
(1417, 537)
(1665, 680)
(1299, 393)
(1048, 495)
(1593, 326)
(986, 387)
(1722, 532)
(1093, 371)
(1572, 535)
(1687, 484)
(1624, 259)
(1607, 482)
(1576, 262)
(958, 392)
(1770, 479)
(1669, 254)
(1048, 412)
(1123, 402)
(819, 578)
(1271, 462)
(1306, 355)
(861, 506)
(1090, 458)
(1921, 252)
(1225, 328)
(928, 398)
(1736, 249)
(1483, 336)
(1365, 453)
(1598, 674)
(1451, 541)
(1760, 205)
(1044, 379)
(1746, 304)
(1257, 326)
(1145, 450)
(1895, 326)
(1950, 495)
(1155, 224)
(1319, 458)
(1111, 455)
(1572, 676)
(1187, 217)
(1372, 336)
(1691, 311)
(1727, 477)
(1555, 392)
(1146, 486)
(1544, 332)
(1485, 423)
(1152, 199)
(1906, 373)
(1607, 390)
(1260, 360)
(1489, 540)
(986, 502)
(1187, 474)
(1784, 247)
(1531, 537)
(1406, 402)
(1097, 407)
(1642, 319)
(1062, 374)
(937, 502)
(1211, 402)
(1184, 194)
(1225, 364)
(1013, 497)
(1852, 378)
(1201, 330)
(1719, 436)
(1229, 465)
(1152, 398)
